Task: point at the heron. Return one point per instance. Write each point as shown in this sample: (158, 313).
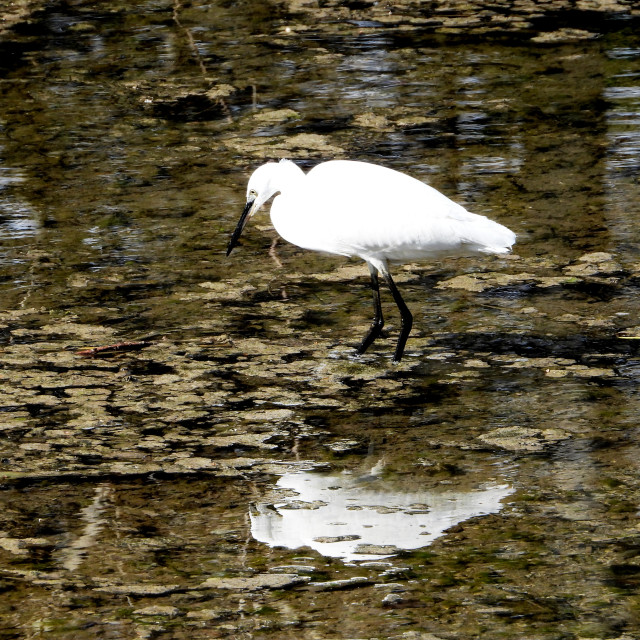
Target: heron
(383, 216)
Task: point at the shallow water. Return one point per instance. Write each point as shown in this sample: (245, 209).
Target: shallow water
(134, 478)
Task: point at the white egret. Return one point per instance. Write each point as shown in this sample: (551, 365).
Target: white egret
(352, 208)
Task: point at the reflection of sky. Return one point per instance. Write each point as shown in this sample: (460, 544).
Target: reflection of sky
(17, 218)
(623, 152)
(338, 516)
(623, 116)
(624, 126)
(74, 553)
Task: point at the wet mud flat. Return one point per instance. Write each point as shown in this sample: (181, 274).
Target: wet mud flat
(189, 447)
(132, 479)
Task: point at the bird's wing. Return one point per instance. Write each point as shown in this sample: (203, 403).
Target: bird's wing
(354, 208)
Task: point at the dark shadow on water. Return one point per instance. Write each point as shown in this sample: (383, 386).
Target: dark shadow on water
(576, 347)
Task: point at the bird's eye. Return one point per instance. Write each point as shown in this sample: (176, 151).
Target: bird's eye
(253, 193)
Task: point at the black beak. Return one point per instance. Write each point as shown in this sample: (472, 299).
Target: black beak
(240, 226)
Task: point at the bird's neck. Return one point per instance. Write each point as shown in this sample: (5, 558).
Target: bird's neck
(289, 174)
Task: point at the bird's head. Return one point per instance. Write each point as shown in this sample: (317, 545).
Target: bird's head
(265, 181)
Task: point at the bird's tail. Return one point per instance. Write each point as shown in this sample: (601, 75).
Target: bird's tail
(489, 237)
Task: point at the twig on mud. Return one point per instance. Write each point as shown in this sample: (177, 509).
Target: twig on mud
(111, 349)
(177, 5)
(220, 101)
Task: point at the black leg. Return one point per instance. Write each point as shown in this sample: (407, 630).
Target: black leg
(378, 320)
(406, 319)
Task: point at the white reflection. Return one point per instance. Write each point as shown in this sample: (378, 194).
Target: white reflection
(72, 556)
(623, 152)
(17, 219)
(339, 516)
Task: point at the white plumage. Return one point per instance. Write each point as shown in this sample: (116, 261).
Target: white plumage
(359, 209)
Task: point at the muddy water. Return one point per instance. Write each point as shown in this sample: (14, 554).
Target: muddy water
(239, 473)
